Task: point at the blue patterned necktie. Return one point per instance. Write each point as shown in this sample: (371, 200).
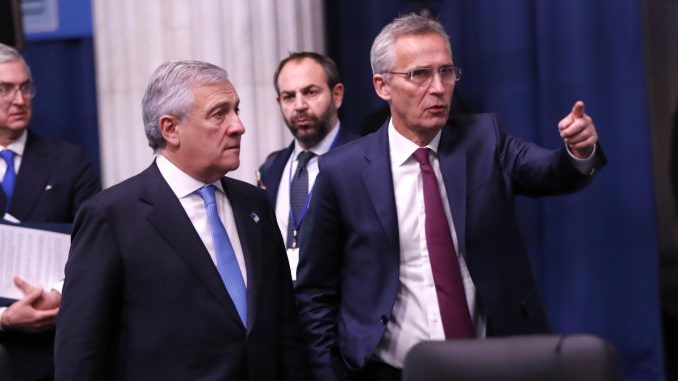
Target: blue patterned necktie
(298, 196)
(227, 264)
(10, 175)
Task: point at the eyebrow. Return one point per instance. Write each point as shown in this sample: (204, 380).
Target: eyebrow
(14, 83)
(223, 105)
(305, 88)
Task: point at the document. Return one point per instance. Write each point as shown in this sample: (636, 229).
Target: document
(38, 256)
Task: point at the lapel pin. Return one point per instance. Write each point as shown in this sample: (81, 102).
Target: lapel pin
(260, 182)
(48, 187)
(254, 217)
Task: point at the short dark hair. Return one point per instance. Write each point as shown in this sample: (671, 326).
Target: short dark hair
(328, 65)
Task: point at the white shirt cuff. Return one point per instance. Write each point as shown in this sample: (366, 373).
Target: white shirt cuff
(585, 166)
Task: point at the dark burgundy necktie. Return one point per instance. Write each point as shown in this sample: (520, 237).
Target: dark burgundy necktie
(446, 274)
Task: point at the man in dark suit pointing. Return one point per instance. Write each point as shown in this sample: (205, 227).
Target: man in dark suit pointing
(412, 233)
(179, 273)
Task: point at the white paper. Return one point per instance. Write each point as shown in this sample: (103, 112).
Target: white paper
(293, 258)
(38, 256)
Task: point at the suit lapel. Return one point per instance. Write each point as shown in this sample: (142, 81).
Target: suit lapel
(247, 223)
(379, 183)
(170, 220)
(452, 160)
(31, 181)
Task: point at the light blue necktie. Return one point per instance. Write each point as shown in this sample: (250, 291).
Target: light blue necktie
(227, 264)
(10, 175)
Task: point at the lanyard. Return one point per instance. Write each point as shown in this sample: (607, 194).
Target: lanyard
(297, 223)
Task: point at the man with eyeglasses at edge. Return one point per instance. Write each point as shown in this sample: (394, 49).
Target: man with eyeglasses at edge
(309, 93)
(411, 234)
(42, 181)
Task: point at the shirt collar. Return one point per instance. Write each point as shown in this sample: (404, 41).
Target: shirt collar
(181, 183)
(321, 148)
(402, 148)
(18, 146)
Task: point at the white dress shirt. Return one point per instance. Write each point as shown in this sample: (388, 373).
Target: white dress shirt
(282, 201)
(184, 187)
(416, 313)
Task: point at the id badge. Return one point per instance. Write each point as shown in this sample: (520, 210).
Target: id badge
(293, 258)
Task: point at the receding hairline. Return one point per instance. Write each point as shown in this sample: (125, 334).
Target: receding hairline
(299, 61)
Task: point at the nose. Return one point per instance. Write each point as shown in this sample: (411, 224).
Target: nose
(236, 128)
(300, 102)
(437, 86)
(18, 97)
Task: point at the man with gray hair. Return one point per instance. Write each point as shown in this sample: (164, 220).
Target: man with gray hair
(412, 234)
(41, 180)
(180, 273)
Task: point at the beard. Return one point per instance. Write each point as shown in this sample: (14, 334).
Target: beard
(315, 130)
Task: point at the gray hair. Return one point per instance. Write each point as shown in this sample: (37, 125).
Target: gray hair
(382, 57)
(170, 92)
(9, 54)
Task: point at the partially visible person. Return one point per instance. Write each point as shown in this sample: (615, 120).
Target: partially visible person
(179, 273)
(309, 93)
(412, 232)
(43, 180)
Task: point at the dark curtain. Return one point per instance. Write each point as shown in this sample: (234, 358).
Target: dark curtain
(65, 105)
(594, 252)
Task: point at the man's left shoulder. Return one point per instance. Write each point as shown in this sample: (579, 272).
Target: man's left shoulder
(53, 147)
(479, 120)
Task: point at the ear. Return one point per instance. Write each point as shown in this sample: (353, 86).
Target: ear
(168, 126)
(338, 95)
(382, 87)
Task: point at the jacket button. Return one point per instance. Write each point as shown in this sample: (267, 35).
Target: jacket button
(384, 319)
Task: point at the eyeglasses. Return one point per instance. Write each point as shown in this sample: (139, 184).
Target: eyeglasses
(423, 76)
(9, 90)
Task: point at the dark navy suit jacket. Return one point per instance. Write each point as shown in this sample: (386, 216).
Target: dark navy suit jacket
(271, 171)
(54, 179)
(143, 300)
(349, 257)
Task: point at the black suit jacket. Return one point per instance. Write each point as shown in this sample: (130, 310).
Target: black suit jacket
(54, 179)
(143, 300)
(348, 274)
(271, 171)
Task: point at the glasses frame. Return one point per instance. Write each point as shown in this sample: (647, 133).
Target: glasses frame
(27, 90)
(410, 74)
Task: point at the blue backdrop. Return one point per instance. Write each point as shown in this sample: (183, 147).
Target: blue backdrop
(65, 105)
(595, 252)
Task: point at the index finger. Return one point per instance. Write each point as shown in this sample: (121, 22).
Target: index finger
(22, 284)
(578, 109)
